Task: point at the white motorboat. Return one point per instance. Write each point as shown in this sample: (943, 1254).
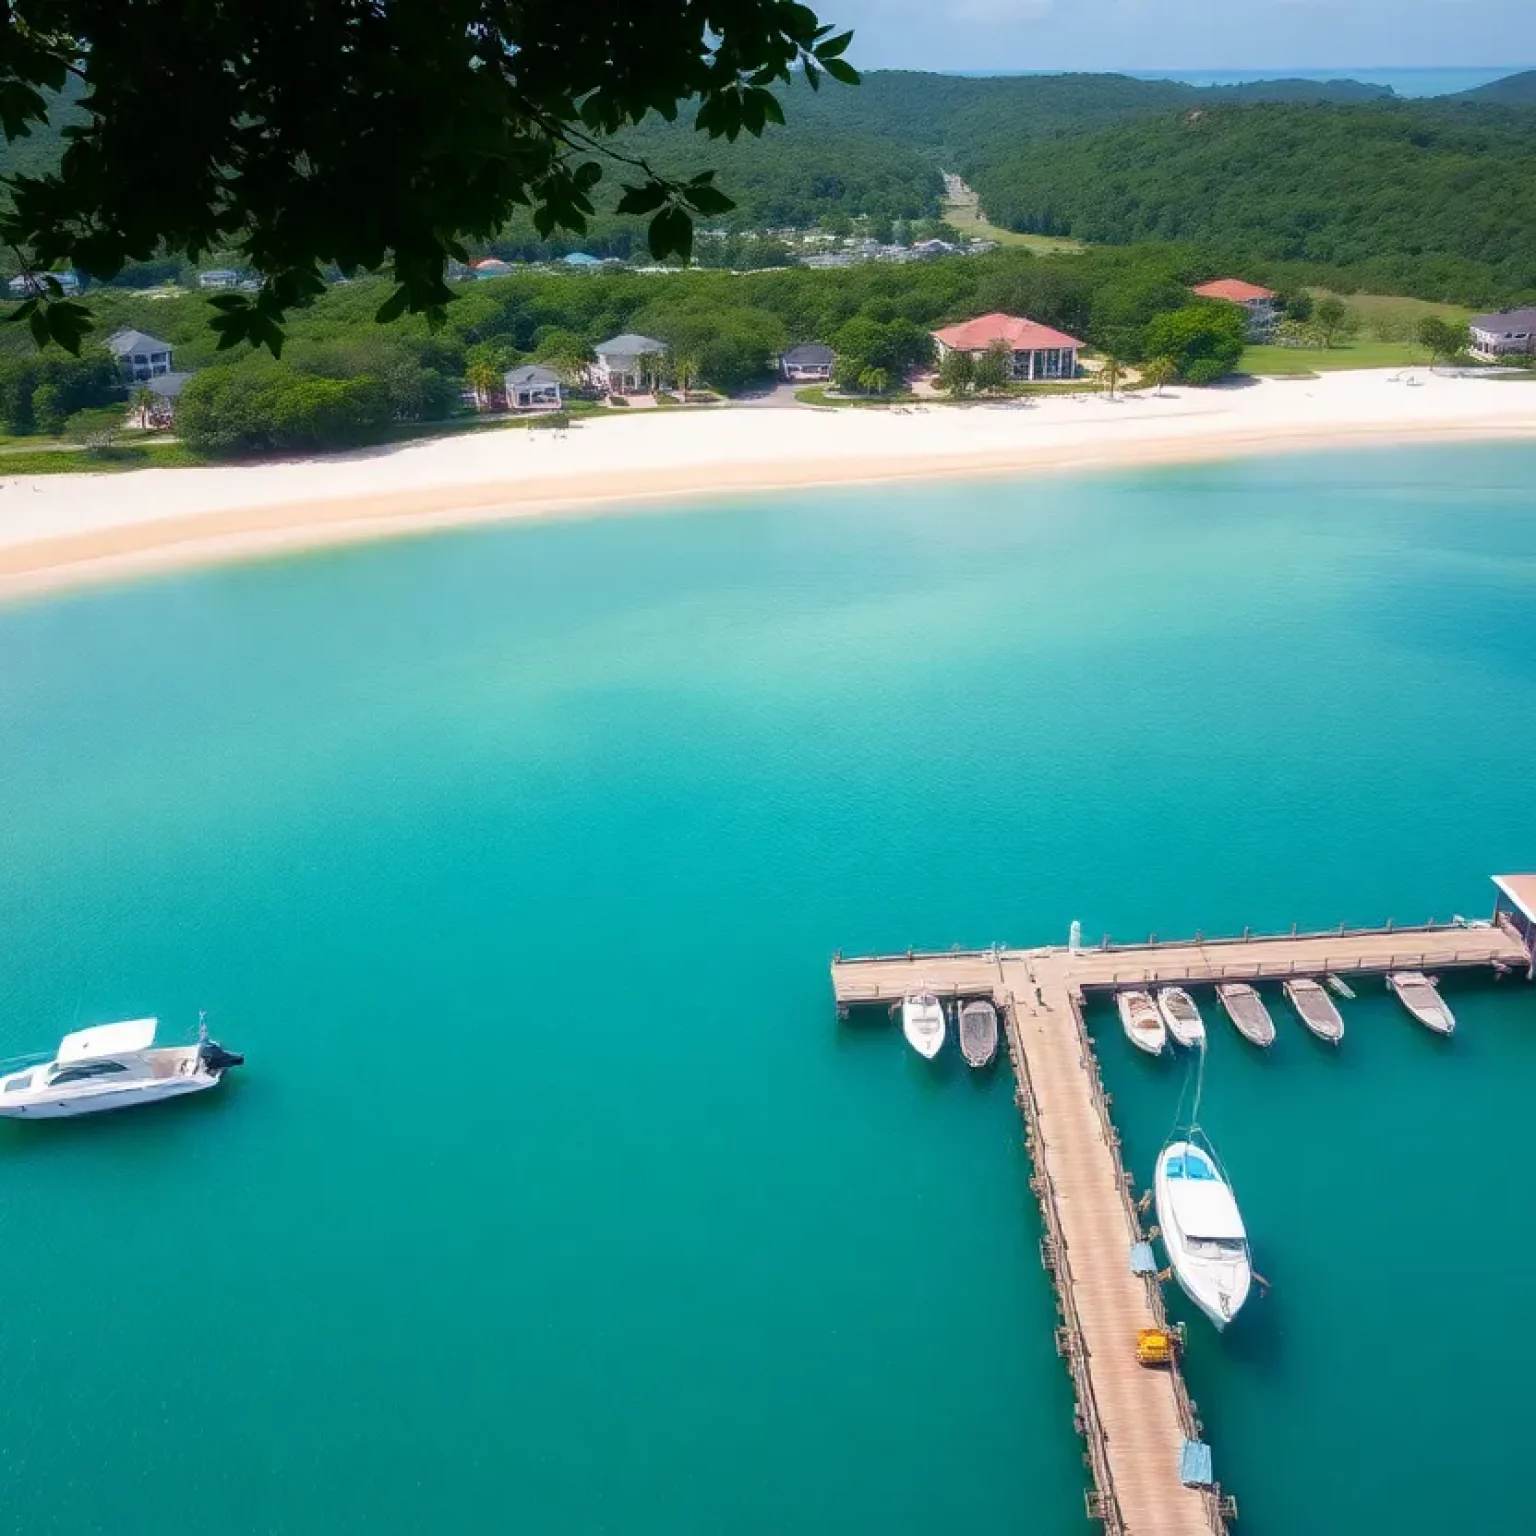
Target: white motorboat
(978, 1032)
(113, 1066)
(1315, 1008)
(922, 1022)
(1142, 1022)
(1181, 1016)
(1246, 1009)
(1419, 995)
(1202, 1230)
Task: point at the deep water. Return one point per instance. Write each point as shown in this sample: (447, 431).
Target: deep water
(553, 1197)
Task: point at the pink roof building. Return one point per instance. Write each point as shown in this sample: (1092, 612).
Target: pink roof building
(1039, 352)
(1260, 304)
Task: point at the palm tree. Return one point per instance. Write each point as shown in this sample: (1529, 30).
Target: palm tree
(1158, 372)
(874, 381)
(686, 366)
(1110, 373)
(143, 405)
(483, 379)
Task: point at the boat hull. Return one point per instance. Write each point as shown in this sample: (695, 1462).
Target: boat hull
(42, 1107)
(1419, 996)
(978, 1034)
(1142, 1023)
(1186, 1029)
(1248, 1014)
(923, 1025)
(1316, 1010)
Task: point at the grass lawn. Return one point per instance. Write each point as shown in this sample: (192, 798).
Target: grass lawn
(86, 462)
(816, 394)
(1391, 308)
(964, 212)
(1280, 362)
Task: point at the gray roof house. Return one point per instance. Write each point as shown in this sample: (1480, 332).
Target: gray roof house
(808, 361)
(140, 356)
(618, 369)
(1509, 333)
(533, 388)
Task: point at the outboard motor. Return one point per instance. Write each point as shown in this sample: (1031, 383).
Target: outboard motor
(215, 1060)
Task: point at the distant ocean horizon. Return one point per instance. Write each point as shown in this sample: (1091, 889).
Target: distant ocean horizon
(1429, 81)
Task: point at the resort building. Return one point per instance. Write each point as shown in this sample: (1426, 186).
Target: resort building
(219, 277)
(1509, 333)
(32, 285)
(1262, 305)
(1038, 351)
(811, 363)
(140, 357)
(628, 364)
(581, 261)
(533, 388)
(491, 266)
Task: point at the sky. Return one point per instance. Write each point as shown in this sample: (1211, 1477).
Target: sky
(1263, 35)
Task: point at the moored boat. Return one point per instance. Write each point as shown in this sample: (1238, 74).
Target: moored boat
(1142, 1023)
(113, 1066)
(978, 1032)
(1315, 1008)
(1419, 995)
(1181, 1016)
(1202, 1229)
(1246, 1009)
(922, 1022)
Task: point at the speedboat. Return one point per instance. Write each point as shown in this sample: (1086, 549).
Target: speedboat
(922, 1022)
(1202, 1230)
(113, 1066)
(1181, 1016)
(1142, 1022)
(1315, 1008)
(1246, 1009)
(1419, 995)
(978, 1032)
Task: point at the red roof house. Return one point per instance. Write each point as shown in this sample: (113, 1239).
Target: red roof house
(1260, 303)
(1038, 351)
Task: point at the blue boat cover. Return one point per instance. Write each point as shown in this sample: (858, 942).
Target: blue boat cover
(1195, 1465)
(1190, 1166)
(1142, 1262)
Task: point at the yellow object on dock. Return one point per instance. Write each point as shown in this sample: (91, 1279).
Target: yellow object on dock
(1155, 1346)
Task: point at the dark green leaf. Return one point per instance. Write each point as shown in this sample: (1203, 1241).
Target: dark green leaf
(641, 200)
(394, 306)
(842, 71)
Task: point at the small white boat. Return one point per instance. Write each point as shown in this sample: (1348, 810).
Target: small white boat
(113, 1066)
(1181, 1016)
(1202, 1230)
(922, 1022)
(1315, 1008)
(1419, 995)
(978, 1033)
(1142, 1022)
(1246, 1009)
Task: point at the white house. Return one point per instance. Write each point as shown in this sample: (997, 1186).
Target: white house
(628, 364)
(1509, 333)
(810, 363)
(219, 277)
(533, 388)
(1038, 351)
(139, 356)
(1261, 305)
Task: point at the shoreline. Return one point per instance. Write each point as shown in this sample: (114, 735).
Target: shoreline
(66, 531)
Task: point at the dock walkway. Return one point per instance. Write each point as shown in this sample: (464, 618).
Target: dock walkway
(1135, 1419)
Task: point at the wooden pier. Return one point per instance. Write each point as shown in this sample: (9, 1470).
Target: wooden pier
(1135, 1420)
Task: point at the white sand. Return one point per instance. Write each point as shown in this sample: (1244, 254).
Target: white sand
(61, 529)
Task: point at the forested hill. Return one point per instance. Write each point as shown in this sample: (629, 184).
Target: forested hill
(1438, 200)
(1512, 90)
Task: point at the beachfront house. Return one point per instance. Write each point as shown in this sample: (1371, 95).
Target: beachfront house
(808, 364)
(1038, 351)
(139, 356)
(1261, 305)
(165, 388)
(580, 261)
(491, 266)
(1509, 333)
(628, 364)
(533, 388)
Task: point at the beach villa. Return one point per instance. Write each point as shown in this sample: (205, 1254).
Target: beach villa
(1509, 333)
(533, 388)
(810, 363)
(1038, 351)
(140, 357)
(628, 364)
(219, 277)
(31, 285)
(1262, 305)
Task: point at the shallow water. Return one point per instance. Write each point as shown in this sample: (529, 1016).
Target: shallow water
(553, 1195)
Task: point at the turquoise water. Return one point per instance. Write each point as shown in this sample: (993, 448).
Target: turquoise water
(553, 1197)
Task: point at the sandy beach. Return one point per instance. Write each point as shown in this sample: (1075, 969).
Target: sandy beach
(60, 530)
